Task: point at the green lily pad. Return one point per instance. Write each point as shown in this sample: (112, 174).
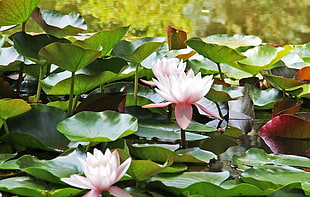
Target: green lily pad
(188, 178)
(159, 153)
(92, 126)
(234, 40)
(219, 93)
(68, 56)
(51, 170)
(282, 83)
(30, 45)
(264, 99)
(136, 51)
(215, 52)
(58, 24)
(259, 158)
(28, 186)
(5, 157)
(13, 12)
(103, 41)
(262, 58)
(32, 122)
(144, 169)
(59, 84)
(12, 107)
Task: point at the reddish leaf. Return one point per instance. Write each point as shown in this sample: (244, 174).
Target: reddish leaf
(6, 91)
(303, 74)
(287, 125)
(176, 38)
(289, 106)
(186, 56)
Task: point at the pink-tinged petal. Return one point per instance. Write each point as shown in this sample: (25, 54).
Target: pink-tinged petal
(92, 193)
(183, 114)
(78, 181)
(148, 82)
(118, 192)
(157, 105)
(123, 169)
(207, 112)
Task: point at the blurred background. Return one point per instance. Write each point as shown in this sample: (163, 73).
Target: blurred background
(275, 21)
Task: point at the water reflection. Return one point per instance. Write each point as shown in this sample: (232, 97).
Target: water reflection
(275, 21)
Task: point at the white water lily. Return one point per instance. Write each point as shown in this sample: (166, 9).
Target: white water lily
(101, 172)
(185, 90)
(166, 67)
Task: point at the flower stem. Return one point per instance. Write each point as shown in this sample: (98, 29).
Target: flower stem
(39, 83)
(6, 127)
(220, 71)
(70, 106)
(20, 78)
(183, 139)
(135, 91)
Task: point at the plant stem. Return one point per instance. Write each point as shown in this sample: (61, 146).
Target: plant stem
(183, 139)
(70, 106)
(39, 83)
(24, 26)
(6, 127)
(135, 91)
(219, 109)
(220, 70)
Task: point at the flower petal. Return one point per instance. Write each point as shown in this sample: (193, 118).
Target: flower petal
(118, 192)
(183, 114)
(123, 169)
(78, 181)
(148, 82)
(208, 112)
(157, 105)
(92, 193)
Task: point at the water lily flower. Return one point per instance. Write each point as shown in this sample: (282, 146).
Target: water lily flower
(166, 67)
(185, 90)
(101, 172)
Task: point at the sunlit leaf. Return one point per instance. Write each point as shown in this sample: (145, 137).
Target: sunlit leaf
(98, 126)
(176, 38)
(136, 51)
(262, 58)
(14, 12)
(12, 107)
(158, 153)
(144, 169)
(215, 52)
(104, 40)
(9, 55)
(233, 40)
(58, 24)
(67, 56)
(287, 125)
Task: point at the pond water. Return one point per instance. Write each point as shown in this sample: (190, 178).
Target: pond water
(277, 21)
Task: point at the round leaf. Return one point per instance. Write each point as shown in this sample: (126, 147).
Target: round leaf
(14, 12)
(98, 126)
(12, 107)
(68, 56)
(234, 40)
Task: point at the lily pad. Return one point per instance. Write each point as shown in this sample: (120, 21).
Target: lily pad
(51, 170)
(287, 125)
(58, 24)
(28, 186)
(68, 56)
(136, 51)
(103, 41)
(176, 38)
(13, 12)
(160, 153)
(9, 55)
(215, 52)
(264, 99)
(234, 40)
(12, 107)
(98, 126)
(282, 83)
